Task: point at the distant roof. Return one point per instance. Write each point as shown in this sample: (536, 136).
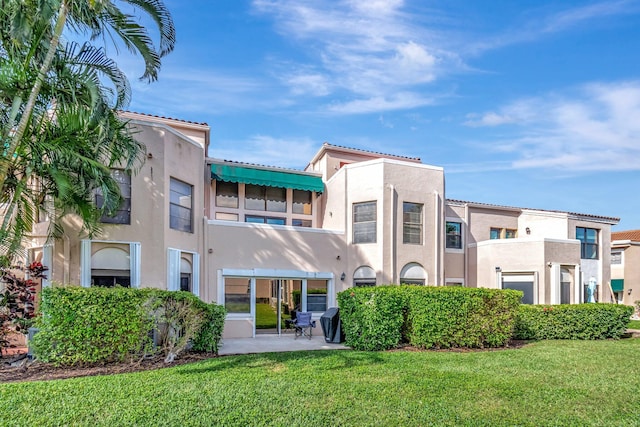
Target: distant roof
(604, 218)
(165, 118)
(327, 146)
(633, 235)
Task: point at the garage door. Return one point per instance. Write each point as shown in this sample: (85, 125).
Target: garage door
(520, 282)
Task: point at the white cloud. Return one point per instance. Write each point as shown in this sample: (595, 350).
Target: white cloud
(399, 101)
(593, 128)
(268, 150)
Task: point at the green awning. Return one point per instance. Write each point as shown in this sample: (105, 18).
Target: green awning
(617, 285)
(271, 178)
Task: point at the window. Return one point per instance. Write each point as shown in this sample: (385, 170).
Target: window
(301, 222)
(364, 222)
(588, 242)
(364, 276)
(413, 274)
(502, 233)
(454, 235)
(263, 198)
(302, 202)
(412, 223)
(122, 215)
(226, 216)
(227, 194)
(237, 295)
(317, 295)
(180, 206)
(255, 219)
(494, 233)
(110, 266)
(616, 258)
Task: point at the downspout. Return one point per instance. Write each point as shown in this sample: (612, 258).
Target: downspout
(204, 290)
(466, 245)
(436, 250)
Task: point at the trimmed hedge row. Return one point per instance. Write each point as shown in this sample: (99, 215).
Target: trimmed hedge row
(91, 325)
(383, 317)
(572, 321)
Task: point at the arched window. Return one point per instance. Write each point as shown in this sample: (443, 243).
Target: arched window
(364, 276)
(413, 274)
(110, 266)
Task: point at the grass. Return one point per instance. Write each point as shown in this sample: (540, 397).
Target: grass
(578, 383)
(634, 324)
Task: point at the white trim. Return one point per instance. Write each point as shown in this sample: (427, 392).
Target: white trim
(85, 263)
(195, 275)
(554, 282)
(47, 261)
(134, 264)
(173, 269)
(463, 226)
(275, 273)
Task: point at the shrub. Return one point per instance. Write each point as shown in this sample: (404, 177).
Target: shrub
(444, 317)
(372, 318)
(572, 321)
(383, 317)
(91, 325)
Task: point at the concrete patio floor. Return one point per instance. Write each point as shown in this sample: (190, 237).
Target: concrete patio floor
(275, 343)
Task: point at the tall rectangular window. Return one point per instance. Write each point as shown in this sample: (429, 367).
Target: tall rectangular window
(494, 233)
(588, 242)
(364, 222)
(412, 223)
(263, 198)
(227, 194)
(122, 215)
(302, 202)
(454, 235)
(180, 206)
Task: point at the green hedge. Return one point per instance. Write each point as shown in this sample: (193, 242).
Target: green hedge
(572, 321)
(91, 325)
(383, 317)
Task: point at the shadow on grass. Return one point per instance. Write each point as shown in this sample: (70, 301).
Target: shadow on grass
(343, 359)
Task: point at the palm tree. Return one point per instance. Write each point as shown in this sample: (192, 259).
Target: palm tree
(40, 24)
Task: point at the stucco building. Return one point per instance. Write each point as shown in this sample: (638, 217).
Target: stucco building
(625, 268)
(265, 241)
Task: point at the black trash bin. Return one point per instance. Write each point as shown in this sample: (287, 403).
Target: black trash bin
(331, 326)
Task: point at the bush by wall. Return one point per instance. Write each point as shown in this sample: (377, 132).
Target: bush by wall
(383, 317)
(90, 325)
(372, 318)
(572, 321)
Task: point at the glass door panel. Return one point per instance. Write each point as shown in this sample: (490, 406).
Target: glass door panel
(269, 306)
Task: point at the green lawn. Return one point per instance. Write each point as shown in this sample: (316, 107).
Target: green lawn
(547, 383)
(634, 324)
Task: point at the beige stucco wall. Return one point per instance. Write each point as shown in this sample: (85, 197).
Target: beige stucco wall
(629, 270)
(170, 155)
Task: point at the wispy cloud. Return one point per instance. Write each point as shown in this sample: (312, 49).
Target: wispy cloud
(594, 128)
(364, 52)
(268, 150)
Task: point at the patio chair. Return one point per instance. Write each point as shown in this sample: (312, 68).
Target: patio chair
(303, 324)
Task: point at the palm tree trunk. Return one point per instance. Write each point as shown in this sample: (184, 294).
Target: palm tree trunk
(14, 140)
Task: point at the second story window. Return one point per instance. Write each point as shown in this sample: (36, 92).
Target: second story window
(588, 242)
(616, 258)
(123, 214)
(227, 194)
(263, 198)
(454, 235)
(302, 202)
(364, 222)
(180, 206)
(502, 233)
(412, 223)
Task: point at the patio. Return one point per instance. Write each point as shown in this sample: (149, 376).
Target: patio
(275, 343)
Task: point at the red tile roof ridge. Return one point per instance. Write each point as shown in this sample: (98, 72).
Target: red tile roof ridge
(633, 235)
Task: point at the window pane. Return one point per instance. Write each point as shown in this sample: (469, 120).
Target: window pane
(237, 295)
(364, 212)
(494, 233)
(616, 257)
(122, 215)
(454, 235)
(180, 205)
(510, 234)
(254, 197)
(302, 202)
(588, 242)
(364, 222)
(254, 219)
(277, 221)
(276, 199)
(412, 223)
(226, 216)
(301, 222)
(227, 194)
(317, 295)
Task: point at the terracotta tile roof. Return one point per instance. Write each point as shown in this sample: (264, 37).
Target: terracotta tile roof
(633, 235)
(605, 218)
(326, 144)
(166, 118)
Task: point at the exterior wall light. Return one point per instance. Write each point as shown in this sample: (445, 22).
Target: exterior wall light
(343, 276)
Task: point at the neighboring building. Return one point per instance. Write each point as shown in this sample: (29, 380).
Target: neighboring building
(625, 269)
(264, 241)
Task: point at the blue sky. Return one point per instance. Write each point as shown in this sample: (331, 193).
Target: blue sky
(528, 103)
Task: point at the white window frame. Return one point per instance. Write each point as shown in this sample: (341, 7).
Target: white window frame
(173, 270)
(85, 261)
(374, 221)
(462, 234)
